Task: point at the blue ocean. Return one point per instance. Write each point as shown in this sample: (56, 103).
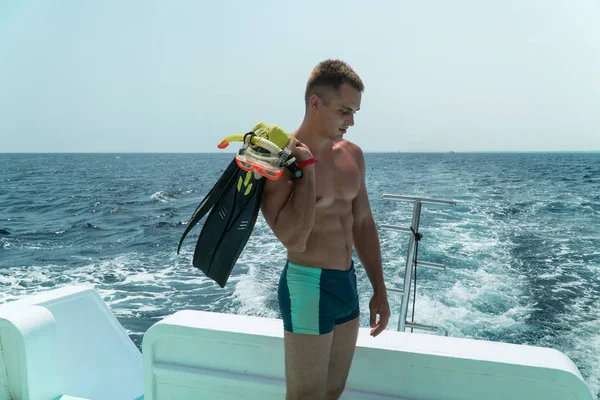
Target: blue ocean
(522, 245)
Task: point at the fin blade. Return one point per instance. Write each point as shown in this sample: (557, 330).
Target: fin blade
(210, 199)
(227, 230)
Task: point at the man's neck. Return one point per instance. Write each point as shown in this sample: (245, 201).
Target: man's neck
(309, 134)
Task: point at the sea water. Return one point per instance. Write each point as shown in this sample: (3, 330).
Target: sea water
(522, 245)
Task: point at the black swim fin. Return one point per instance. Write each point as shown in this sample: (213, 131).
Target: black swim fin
(210, 199)
(234, 203)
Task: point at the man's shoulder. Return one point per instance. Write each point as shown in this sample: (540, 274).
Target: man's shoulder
(351, 148)
(352, 151)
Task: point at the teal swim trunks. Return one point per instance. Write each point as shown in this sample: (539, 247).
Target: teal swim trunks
(313, 300)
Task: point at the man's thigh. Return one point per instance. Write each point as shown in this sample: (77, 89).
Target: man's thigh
(306, 364)
(340, 359)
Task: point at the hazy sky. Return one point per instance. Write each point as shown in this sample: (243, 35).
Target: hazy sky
(178, 76)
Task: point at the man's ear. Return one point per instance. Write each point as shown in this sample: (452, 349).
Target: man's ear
(314, 102)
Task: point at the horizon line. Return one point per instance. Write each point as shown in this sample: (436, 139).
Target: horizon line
(365, 152)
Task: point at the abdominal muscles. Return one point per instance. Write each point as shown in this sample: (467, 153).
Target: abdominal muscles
(329, 245)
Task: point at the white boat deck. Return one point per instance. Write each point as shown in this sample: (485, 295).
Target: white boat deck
(65, 344)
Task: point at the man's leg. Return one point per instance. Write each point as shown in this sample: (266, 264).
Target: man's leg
(342, 352)
(306, 364)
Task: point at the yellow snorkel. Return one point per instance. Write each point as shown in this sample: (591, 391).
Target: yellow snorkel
(264, 151)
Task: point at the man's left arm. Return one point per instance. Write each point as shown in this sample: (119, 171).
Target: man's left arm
(367, 246)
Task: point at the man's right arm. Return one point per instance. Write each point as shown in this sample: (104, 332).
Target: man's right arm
(288, 205)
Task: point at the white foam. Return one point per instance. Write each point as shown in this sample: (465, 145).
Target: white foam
(582, 342)
(140, 277)
(255, 292)
(479, 291)
(161, 196)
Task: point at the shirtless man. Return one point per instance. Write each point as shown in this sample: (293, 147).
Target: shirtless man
(319, 219)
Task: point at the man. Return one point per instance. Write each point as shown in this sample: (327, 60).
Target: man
(319, 219)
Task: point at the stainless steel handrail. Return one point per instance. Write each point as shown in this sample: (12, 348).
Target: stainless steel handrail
(410, 259)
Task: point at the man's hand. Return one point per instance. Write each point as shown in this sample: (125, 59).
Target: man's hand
(300, 151)
(379, 306)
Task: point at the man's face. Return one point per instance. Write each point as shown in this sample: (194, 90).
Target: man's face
(338, 115)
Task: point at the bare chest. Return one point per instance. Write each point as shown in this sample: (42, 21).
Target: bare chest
(336, 180)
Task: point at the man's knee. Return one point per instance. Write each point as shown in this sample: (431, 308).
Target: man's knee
(334, 393)
(305, 393)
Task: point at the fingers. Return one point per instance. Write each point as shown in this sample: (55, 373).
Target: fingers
(383, 310)
(384, 318)
(379, 327)
(373, 320)
(297, 143)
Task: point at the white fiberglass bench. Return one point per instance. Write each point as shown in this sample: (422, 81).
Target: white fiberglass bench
(194, 354)
(66, 344)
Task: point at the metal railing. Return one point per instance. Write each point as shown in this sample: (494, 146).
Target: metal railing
(411, 262)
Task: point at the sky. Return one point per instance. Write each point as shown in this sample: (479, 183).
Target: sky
(179, 76)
